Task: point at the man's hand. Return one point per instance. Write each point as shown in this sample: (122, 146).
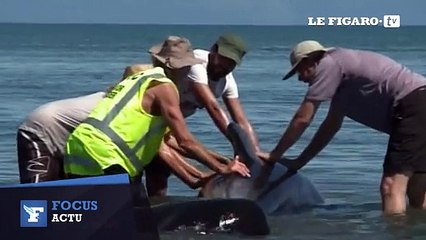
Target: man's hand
(292, 164)
(235, 166)
(268, 157)
(204, 180)
(264, 156)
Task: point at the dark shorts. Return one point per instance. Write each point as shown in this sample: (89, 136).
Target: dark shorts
(157, 167)
(407, 143)
(157, 174)
(36, 163)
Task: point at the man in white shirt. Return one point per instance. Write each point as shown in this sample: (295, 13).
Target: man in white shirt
(200, 89)
(206, 82)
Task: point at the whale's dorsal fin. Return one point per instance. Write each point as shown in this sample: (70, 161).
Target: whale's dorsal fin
(242, 146)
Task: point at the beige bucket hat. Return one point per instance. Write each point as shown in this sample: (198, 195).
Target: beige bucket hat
(175, 52)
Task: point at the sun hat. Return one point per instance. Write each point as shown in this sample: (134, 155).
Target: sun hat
(301, 51)
(175, 52)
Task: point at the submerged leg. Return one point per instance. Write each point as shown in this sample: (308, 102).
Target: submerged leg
(417, 190)
(393, 189)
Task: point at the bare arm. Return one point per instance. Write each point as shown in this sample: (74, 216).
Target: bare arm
(190, 175)
(301, 120)
(217, 114)
(168, 102)
(171, 142)
(238, 115)
(325, 133)
(323, 136)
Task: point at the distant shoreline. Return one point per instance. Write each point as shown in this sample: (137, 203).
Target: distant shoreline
(187, 24)
(154, 24)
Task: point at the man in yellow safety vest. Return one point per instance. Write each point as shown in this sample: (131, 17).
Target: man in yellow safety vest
(125, 130)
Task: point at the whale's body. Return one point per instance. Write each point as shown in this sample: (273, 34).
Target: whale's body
(245, 202)
(275, 189)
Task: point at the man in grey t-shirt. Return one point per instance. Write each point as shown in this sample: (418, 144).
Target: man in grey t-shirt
(42, 135)
(371, 89)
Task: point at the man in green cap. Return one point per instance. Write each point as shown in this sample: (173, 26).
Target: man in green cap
(206, 82)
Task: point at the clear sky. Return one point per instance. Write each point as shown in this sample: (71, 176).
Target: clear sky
(251, 12)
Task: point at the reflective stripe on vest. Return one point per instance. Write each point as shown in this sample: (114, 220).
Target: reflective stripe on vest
(103, 126)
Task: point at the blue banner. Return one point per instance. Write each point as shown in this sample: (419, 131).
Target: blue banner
(87, 208)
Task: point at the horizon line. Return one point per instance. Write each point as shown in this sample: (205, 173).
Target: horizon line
(191, 24)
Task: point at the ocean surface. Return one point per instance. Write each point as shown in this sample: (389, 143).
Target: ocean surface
(42, 63)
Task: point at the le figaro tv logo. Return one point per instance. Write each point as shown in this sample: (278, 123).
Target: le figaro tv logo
(387, 21)
(35, 213)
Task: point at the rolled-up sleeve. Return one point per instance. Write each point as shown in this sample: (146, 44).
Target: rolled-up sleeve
(231, 89)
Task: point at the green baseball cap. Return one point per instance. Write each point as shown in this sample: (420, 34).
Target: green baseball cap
(231, 46)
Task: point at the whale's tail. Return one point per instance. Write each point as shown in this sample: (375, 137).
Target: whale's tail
(211, 215)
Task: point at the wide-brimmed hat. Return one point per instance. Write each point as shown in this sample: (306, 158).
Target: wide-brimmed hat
(231, 46)
(175, 52)
(301, 51)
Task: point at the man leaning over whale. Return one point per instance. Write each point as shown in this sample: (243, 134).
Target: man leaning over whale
(230, 167)
(200, 88)
(374, 90)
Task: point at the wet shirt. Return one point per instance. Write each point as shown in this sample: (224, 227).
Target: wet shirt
(364, 85)
(54, 121)
(225, 87)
